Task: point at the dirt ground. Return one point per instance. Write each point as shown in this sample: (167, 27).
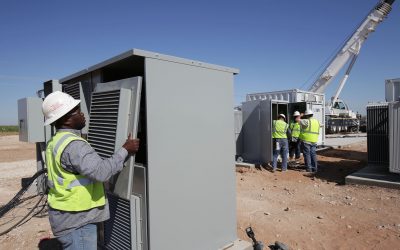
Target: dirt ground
(303, 212)
(319, 212)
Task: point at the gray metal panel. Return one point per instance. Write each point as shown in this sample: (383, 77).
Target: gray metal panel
(139, 189)
(266, 131)
(117, 114)
(149, 54)
(136, 225)
(257, 130)
(251, 131)
(238, 121)
(319, 114)
(31, 120)
(190, 156)
(392, 90)
(394, 137)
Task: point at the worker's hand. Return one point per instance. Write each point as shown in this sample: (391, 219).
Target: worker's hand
(131, 145)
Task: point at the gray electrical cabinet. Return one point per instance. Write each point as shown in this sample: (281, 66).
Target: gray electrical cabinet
(178, 192)
(31, 120)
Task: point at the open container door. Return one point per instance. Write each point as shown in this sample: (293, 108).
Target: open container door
(114, 113)
(269, 110)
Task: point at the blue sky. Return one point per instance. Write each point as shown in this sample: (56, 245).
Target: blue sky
(277, 45)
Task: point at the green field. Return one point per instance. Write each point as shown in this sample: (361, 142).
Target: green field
(5, 129)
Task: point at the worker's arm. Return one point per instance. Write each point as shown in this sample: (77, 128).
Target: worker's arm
(304, 123)
(80, 157)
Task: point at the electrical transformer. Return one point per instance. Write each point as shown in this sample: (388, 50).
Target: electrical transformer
(178, 191)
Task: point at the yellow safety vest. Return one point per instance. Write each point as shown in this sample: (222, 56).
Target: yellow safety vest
(295, 129)
(311, 133)
(279, 129)
(68, 191)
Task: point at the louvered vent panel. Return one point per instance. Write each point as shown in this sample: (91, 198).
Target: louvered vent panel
(103, 122)
(73, 90)
(378, 134)
(117, 230)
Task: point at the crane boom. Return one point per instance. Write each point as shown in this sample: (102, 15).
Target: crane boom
(352, 47)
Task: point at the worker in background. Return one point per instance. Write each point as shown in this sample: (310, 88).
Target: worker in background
(294, 143)
(76, 174)
(280, 142)
(309, 133)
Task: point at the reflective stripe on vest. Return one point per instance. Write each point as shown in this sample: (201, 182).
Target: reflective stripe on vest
(295, 129)
(279, 129)
(311, 133)
(69, 191)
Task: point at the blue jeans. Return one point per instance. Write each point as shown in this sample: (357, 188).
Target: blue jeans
(294, 149)
(310, 157)
(83, 238)
(283, 150)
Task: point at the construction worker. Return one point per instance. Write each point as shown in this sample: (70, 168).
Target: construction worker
(309, 133)
(294, 144)
(280, 142)
(76, 174)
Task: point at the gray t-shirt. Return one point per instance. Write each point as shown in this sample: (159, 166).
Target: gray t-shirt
(80, 157)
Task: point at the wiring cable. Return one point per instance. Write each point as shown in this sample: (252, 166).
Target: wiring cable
(25, 218)
(17, 200)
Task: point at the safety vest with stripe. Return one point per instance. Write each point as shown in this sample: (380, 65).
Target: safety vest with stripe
(311, 133)
(279, 129)
(295, 129)
(69, 191)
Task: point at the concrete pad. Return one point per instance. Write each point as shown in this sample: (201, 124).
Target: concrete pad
(342, 141)
(238, 245)
(374, 175)
(245, 165)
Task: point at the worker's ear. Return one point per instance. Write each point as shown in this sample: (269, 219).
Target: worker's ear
(64, 121)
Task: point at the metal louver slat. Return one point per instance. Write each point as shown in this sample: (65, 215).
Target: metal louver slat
(378, 134)
(103, 122)
(109, 119)
(101, 136)
(100, 131)
(73, 90)
(117, 230)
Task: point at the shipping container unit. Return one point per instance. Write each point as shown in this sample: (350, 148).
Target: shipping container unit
(394, 137)
(178, 192)
(392, 90)
(378, 134)
(260, 109)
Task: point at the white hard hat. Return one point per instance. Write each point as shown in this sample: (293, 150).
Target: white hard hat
(56, 105)
(282, 115)
(309, 112)
(296, 113)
